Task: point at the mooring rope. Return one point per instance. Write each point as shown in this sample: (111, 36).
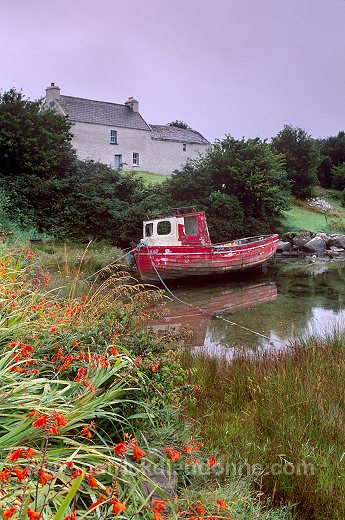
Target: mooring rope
(218, 316)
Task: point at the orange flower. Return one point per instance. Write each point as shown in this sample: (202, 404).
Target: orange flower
(15, 455)
(121, 448)
(60, 420)
(155, 367)
(174, 455)
(21, 473)
(118, 506)
(212, 461)
(33, 515)
(114, 351)
(45, 477)
(41, 422)
(188, 449)
(158, 505)
(92, 481)
(137, 452)
(221, 504)
(199, 508)
(86, 430)
(5, 475)
(97, 503)
(9, 513)
(29, 453)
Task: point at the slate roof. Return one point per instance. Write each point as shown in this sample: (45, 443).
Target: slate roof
(102, 113)
(173, 133)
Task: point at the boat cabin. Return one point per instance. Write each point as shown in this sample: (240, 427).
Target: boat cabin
(179, 230)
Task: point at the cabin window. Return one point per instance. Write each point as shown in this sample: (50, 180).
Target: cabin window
(113, 136)
(191, 226)
(184, 147)
(149, 230)
(164, 227)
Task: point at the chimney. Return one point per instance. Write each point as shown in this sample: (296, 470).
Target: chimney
(52, 93)
(133, 104)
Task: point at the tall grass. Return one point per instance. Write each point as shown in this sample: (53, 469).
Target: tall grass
(285, 414)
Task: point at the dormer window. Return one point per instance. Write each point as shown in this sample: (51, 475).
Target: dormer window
(184, 147)
(113, 136)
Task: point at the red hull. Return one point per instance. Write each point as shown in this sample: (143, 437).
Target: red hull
(172, 262)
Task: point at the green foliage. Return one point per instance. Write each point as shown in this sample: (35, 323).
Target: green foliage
(332, 151)
(301, 157)
(179, 124)
(338, 177)
(240, 184)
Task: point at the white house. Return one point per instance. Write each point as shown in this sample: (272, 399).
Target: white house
(118, 135)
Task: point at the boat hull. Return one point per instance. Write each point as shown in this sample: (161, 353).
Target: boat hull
(167, 263)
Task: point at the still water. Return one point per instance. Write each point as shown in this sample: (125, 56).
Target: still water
(280, 303)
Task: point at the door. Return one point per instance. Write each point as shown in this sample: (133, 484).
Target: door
(118, 162)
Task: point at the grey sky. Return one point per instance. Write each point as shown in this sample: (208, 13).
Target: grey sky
(243, 67)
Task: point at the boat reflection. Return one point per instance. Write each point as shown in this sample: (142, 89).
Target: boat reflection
(209, 301)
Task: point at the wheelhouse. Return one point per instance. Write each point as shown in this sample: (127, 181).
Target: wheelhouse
(179, 230)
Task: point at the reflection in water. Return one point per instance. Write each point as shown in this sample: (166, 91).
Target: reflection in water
(290, 300)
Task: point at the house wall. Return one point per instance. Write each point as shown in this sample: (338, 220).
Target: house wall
(92, 141)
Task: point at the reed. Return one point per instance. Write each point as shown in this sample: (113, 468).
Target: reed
(284, 413)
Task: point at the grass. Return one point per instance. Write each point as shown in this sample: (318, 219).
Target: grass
(285, 415)
(150, 177)
(304, 218)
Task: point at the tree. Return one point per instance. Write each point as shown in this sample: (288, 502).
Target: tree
(241, 184)
(332, 151)
(301, 159)
(179, 124)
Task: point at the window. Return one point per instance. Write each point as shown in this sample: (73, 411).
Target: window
(113, 136)
(164, 227)
(135, 159)
(184, 147)
(191, 226)
(149, 229)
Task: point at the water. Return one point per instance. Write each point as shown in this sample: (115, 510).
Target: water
(288, 300)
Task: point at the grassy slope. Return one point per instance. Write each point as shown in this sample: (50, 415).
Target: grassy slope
(150, 177)
(301, 217)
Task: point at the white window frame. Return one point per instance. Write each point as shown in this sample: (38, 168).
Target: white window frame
(135, 159)
(113, 136)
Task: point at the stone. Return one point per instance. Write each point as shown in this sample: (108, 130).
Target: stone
(283, 246)
(336, 241)
(315, 245)
(321, 204)
(301, 239)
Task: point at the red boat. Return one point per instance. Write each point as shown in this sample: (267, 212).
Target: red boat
(180, 246)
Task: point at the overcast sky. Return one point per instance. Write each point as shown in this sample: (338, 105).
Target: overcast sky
(239, 67)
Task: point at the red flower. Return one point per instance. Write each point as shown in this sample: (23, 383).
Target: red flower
(86, 430)
(69, 464)
(76, 473)
(154, 367)
(97, 503)
(5, 475)
(60, 420)
(15, 455)
(118, 506)
(188, 449)
(41, 422)
(45, 477)
(121, 448)
(158, 505)
(34, 515)
(21, 473)
(29, 453)
(92, 481)
(174, 455)
(221, 504)
(114, 351)
(199, 508)
(137, 452)
(212, 461)
(9, 513)
(70, 517)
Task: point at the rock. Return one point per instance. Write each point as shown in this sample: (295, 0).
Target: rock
(336, 241)
(321, 204)
(315, 245)
(300, 239)
(334, 252)
(283, 246)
